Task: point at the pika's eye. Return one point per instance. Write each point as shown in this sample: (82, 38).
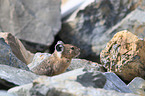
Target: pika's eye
(72, 48)
(59, 47)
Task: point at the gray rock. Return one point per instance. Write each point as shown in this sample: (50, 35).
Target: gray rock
(8, 58)
(76, 78)
(124, 55)
(65, 84)
(88, 29)
(89, 65)
(115, 83)
(74, 84)
(31, 20)
(80, 75)
(76, 90)
(16, 76)
(63, 91)
(133, 22)
(23, 90)
(4, 93)
(137, 85)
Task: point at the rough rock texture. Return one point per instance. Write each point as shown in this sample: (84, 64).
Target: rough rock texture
(23, 90)
(137, 85)
(61, 85)
(8, 58)
(89, 65)
(81, 75)
(87, 30)
(15, 76)
(115, 83)
(31, 20)
(75, 63)
(17, 47)
(124, 55)
(133, 22)
(63, 91)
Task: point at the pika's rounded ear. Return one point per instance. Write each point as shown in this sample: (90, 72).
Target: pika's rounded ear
(59, 42)
(59, 46)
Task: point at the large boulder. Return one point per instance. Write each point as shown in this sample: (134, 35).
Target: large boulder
(31, 20)
(74, 83)
(78, 78)
(124, 55)
(65, 91)
(88, 29)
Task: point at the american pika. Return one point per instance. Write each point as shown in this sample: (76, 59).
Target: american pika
(58, 62)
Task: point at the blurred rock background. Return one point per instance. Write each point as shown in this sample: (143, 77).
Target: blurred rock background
(87, 24)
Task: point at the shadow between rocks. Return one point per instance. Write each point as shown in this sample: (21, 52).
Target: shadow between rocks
(6, 85)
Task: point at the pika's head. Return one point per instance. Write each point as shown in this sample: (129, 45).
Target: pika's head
(66, 50)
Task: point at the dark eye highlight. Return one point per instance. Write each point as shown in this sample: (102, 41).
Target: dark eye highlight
(59, 47)
(72, 48)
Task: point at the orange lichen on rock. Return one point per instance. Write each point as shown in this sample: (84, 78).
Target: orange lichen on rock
(125, 55)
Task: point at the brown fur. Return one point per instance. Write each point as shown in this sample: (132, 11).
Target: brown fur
(58, 62)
